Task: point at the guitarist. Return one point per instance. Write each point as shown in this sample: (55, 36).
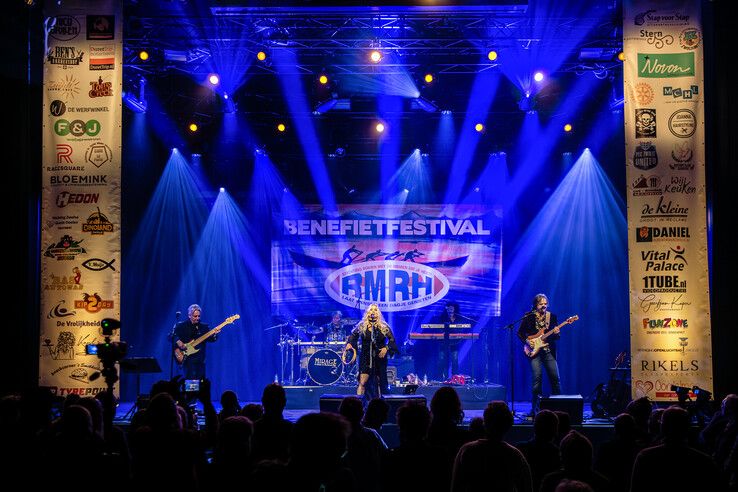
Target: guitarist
(539, 318)
(186, 331)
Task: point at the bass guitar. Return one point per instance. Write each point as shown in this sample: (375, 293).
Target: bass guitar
(537, 342)
(180, 354)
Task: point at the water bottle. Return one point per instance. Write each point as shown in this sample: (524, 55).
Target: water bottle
(276, 379)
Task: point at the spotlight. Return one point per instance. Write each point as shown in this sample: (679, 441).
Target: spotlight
(261, 56)
(538, 76)
(621, 56)
(193, 127)
(213, 79)
(281, 127)
(446, 112)
(375, 56)
(428, 78)
(424, 104)
(476, 190)
(492, 55)
(526, 103)
(340, 152)
(379, 127)
(143, 55)
(567, 127)
(323, 79)
(479, 127)
(405, 190)
(222, 190)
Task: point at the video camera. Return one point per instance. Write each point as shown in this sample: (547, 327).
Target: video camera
(108, 351)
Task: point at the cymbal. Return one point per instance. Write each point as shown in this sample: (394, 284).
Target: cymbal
(349, 321)
(276, 326)
(313, 330)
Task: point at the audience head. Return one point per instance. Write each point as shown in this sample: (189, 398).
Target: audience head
(545, 425)
(413, 420)
(234, 438)
(162, 413)
(476, 428)
(573, 486)
(625, 426)
(654, 422)
(352, 408)
(96, 412)
(446, 406)
(253, 411)
(675, 425)
(640, 409)
(576, 452)
(229, 399)
(564, 423)
(76, 422)
(729, 406)
(376, 413)
(498, 419)
(319, 441)
(273, 399)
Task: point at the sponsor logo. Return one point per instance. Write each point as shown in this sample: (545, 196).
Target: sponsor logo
(645, 123)
(98, 154)
(64, 282)
(682, 123)
(98, 264)
(663, 284)
(78, 128)
(67, 198)
(690, 38)
(660, 18)
(664, 210)
(97, 224)
(63, 153)
(68, 87)
(665, 65)
(646, 234)
(64, 348)
(79, 180)
(671, 260)
(77, 324)
(657, 38)
(664, 323)
(642, 388)
(663, 365)
(98, 88)
(645, 156)
(62, 222)
(66, 56)
(57, 108)
(100, 27)
(681, 153)
(679, 93)
(643, 93)
(680, 184)
(59, 311)
(393, 285)
(64, 28)
(93, 303)
(102, 57)
(66, 249)
(653, 303)
(62, 391)
(78, 372)
(647, 185)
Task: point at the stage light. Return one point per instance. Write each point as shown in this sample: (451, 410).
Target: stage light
(281, 127)
(143, 55)
(479, 127)
(446, 112)
(428, 78)
(538, 76)
(323, 79)
(476, 190)
(424, 104)
(492, 55)
(379, 127)
(261, 56)
(525, 104)
(375, 56)
(567, 127)
(213, 79)
(222, 190)
(193, 127)
(405, 190)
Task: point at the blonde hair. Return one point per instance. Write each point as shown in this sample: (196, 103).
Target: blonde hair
(364, 324)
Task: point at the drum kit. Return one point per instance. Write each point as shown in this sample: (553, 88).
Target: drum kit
(314, 362)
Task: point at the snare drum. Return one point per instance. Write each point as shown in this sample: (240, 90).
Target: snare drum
(325, 367)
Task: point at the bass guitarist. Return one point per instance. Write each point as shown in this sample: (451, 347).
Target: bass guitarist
(193, 365)
(540, 318)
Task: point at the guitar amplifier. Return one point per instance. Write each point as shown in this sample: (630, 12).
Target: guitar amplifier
(571, 404)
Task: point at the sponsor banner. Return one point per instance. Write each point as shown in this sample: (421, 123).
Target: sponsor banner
(402, 257)
(665, 172)
(80, 201)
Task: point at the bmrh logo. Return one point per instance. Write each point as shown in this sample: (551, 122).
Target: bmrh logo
(647, 185)
(645, 123)
(393, 285)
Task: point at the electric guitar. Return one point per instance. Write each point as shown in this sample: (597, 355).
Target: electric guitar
(191, 347)
(538, 341)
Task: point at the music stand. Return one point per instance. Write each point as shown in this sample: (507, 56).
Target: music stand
(138, 366)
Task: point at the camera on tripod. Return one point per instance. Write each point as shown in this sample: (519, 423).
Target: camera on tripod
(109, 352)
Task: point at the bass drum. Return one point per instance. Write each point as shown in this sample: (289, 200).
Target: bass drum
(325, 367)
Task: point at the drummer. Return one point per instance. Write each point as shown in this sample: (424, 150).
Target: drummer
(334, 330)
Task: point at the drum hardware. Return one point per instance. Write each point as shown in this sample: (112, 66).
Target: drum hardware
(325, 367)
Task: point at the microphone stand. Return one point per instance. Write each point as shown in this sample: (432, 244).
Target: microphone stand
(171, 343)
(512, 365)
(474, 321)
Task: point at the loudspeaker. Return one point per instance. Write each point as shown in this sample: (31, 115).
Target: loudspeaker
(396, 401)
(330, 402)
(571, 404)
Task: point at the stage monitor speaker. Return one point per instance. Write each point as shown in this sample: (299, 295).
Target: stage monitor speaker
(330, 402)
(571, 404)
(396, 401)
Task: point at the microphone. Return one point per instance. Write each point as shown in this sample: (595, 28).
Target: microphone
(177, 315)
